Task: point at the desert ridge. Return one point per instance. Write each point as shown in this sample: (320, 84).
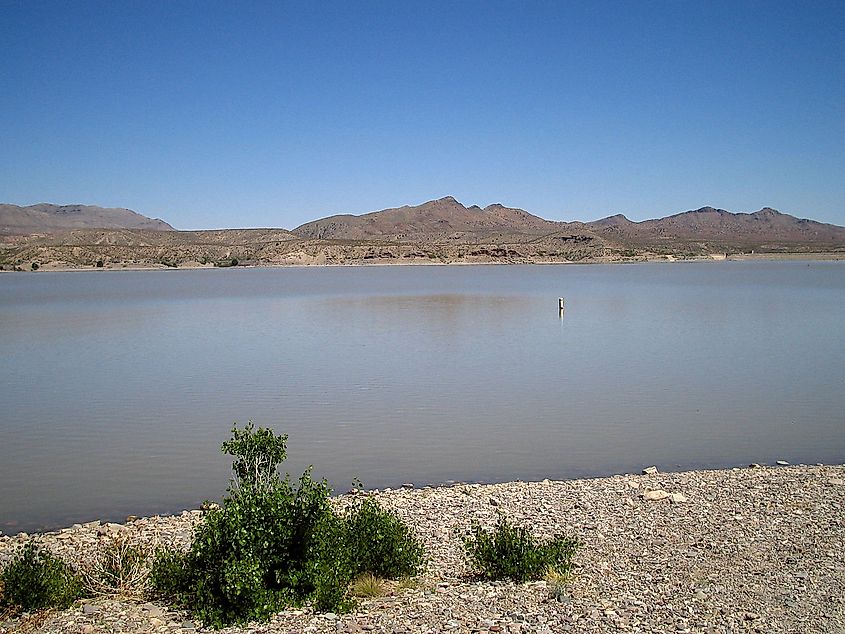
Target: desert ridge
(441, 231)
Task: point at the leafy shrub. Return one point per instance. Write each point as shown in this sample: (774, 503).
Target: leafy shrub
(510, 552)
(274, 543)
(34, 266)
(37, 579)
(381, 543)
(168, 574)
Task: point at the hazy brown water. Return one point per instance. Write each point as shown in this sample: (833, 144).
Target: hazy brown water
(117, 388)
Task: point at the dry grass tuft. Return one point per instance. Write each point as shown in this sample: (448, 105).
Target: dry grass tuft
(122, 569)
(368, 585)
(557, 582)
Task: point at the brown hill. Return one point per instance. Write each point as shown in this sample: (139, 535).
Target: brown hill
(47, 218)
(767, 228)
(432, 221)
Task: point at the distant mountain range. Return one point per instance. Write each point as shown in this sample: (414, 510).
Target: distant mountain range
(707, 223)
(441, 230)
(46, 218)
(447, 218)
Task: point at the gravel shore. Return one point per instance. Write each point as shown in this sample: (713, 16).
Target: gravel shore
(758, 549)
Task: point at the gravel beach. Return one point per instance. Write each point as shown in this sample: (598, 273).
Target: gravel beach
(758, 549)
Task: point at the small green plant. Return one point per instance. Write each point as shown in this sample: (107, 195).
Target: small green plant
(37, 580)
(511, 552)
(557, 581)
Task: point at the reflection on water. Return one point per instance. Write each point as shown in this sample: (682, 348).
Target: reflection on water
(118, 387)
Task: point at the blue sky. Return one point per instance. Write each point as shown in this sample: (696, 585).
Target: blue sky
(271, 114)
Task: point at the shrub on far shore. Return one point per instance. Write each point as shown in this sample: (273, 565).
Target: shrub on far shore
(511, 552)
(273, 543)
(36, 580)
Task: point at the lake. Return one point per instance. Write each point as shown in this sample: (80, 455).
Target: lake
(118, 387)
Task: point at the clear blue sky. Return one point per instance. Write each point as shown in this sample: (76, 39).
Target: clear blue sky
(244, 114)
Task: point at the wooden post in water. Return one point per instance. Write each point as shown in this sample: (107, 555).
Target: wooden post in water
(560, 303)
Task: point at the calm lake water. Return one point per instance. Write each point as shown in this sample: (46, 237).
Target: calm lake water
(117, 388)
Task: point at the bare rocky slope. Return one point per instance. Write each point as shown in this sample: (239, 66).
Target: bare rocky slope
(767, 230)
(438, 231)
(442, 219)
(47, 218)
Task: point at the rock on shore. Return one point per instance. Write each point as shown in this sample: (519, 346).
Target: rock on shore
(745, 550)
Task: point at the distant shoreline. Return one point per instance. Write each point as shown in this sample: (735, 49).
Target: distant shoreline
(746, 257)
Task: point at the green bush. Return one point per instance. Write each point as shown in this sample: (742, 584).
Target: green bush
(37, 579)
(274, 543)
(365, 540)
(168, 574)
(510, 552)
(381, 543)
